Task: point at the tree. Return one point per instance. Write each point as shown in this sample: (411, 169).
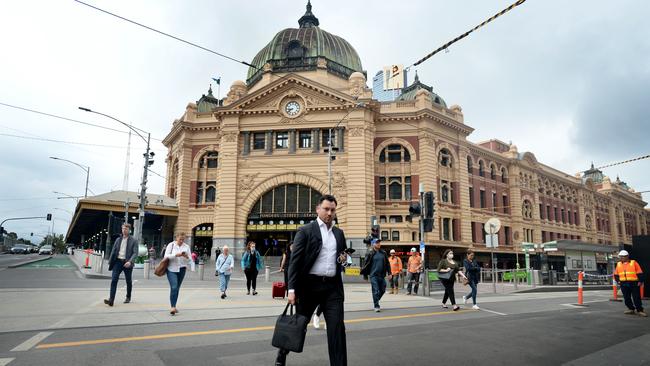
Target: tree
(13, 235)
(57, 242)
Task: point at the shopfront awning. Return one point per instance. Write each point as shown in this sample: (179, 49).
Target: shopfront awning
(580, 246)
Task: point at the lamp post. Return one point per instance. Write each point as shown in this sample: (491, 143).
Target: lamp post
(85, 168)
(330, 156)
(66, 196)
(148, 160)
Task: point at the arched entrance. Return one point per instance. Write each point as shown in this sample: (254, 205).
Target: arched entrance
(275, 217)
(202, 239)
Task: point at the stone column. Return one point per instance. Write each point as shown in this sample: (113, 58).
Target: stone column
(292, 141)
(269, 143)
(463, 186)
(247, 143)
(315, 136)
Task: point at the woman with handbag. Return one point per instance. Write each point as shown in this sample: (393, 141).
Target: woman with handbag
(251, 263)
(447, 270)
(179, 257)
(473, 271)
(225, 264)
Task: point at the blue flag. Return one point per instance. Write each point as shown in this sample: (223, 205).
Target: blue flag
(217, 80)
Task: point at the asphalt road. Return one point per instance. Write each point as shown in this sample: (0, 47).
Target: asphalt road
(525, 329)
(7, 260)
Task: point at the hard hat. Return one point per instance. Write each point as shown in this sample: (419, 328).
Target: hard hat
(413, 250)
(392, 251)
(623, 253)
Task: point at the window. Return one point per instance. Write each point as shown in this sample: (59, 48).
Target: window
(325, 138)
(305, 139)
(493, 172)
(541, 211)
(282, 140)
(469, 164)
(382, 188)
(444, 158)
(209, 160)
(395, 236)
(395, 153)
(211, 192)
(494, 201)
(504, 175)
(481, 168)
(294, 49)
(555, 214)
(482, 198)
(384, 235)
(259, 141)
(471, 197)
(409, 218)
(548, 212)
(446, 230)
(506, 233)
(413, 235)
(407, 188)
(474, 237)
(505, 204)
(527, 209)
(563, 217)
(444, 191)
(395, 188)
(395, 219)
(199, 192)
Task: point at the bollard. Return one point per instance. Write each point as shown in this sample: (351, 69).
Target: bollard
(580, 299)
(146, 269)
(201, 270)
(87, 264)
(514, 276)
(267, 274)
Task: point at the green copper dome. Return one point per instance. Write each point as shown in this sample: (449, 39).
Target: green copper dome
(298, 49)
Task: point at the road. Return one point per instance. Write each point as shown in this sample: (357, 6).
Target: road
(7, 260)
(513, 329)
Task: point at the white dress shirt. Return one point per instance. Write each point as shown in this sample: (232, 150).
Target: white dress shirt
(325, 264)
(176, 263)
(122, 253)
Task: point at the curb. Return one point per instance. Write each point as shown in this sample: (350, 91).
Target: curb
(29, 262)
(89, 276)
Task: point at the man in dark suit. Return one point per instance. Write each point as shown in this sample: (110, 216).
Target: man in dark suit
(315, 277)
(123, 255)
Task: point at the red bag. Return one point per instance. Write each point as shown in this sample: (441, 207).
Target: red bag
(279, 289)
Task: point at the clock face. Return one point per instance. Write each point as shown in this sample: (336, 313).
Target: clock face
(292, 108)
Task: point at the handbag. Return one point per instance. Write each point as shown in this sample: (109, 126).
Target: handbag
(290, 331)
(445, 275)
(161, 268)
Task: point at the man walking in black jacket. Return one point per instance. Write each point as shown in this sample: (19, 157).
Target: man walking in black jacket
(315, 277)
(377, 267)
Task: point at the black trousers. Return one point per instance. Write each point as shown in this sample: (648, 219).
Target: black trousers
(328, 297)
(449, 291)
(251, 279)
(632, 295)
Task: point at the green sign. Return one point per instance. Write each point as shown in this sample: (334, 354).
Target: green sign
(507, 276)
(433, 276)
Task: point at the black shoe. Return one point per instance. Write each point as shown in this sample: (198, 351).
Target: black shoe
(248, 293)
(254, 292)
(223, 296)
(281, 359)
(127, 300)
(108, 302)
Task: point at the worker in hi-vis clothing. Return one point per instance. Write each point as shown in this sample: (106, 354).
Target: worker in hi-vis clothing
(629, 276)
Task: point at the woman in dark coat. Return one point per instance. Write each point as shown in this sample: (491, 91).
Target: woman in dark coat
(447, 270)
(473, 274)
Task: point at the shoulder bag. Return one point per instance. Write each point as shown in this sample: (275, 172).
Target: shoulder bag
(445, 275)
(161, 268)
(290, 331)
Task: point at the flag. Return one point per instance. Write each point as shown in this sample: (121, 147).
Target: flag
(217, 80)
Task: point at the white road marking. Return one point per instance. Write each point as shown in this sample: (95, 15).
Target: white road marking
(28, 344)
(492, 311)
(5, 361)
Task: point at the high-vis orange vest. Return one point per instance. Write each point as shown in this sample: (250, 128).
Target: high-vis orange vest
(628, 271)
(395, 265)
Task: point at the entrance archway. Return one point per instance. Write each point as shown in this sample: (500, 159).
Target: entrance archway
(202, 239)
(275, 217)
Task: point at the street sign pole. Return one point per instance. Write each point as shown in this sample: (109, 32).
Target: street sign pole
(494, 283)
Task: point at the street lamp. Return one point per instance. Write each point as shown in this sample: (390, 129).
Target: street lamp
(329, 148)
(148, 161)
(66, 196)
(85, 168)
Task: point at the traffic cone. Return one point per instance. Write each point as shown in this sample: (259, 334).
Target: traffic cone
(615, 291)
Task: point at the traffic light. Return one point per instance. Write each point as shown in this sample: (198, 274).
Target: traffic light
(49, 217)
(428, 225)
(429, 205)
(2, 230)
(374, 231)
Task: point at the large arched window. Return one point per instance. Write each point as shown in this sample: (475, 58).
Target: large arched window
(504, 175)
(394, 153)
(287, 199)
(445, 158)
(206, 192)
(481, 168)
(493, 172)
(470, 165)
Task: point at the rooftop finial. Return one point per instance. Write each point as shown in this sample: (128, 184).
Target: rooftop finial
(309, 19)
(210, 91)
(417, 78)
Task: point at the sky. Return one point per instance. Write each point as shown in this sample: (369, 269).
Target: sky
(567, 81)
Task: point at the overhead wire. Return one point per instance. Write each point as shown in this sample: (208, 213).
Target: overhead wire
(624, 161)
(168, 35)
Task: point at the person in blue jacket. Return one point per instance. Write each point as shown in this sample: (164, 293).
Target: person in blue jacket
(251, 263)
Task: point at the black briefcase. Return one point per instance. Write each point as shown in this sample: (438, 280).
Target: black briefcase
(290, 331)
